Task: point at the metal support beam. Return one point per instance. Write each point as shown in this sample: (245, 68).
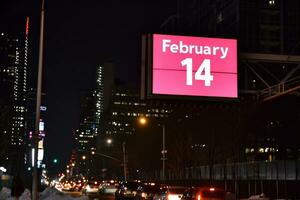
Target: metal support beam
(290, 73)
(282, 93)
(268, 71)
(272, 58)
(279, 86)
(258, 76)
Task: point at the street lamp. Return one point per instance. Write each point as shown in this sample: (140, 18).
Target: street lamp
(109, 141)
(143, 121)
(35, 177)
(112, 158)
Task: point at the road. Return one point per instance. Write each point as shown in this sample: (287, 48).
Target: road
(92, 196)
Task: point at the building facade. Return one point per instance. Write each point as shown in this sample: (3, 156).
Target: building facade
(93, 107)
(13, 87)
(268, 26)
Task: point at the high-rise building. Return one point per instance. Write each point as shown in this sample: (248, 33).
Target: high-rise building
(13, 86)
(93, 106)
(104, 86)
(13, 77)
(86, 134)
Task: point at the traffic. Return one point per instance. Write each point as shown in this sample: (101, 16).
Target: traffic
(141, 190)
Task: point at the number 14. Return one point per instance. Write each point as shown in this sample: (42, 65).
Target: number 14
(205, 66)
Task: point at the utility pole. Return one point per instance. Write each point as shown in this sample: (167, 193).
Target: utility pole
(38, 107)
(124, 161)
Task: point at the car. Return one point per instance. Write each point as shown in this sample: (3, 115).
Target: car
(127, 190)
(66, 186)
(170, 193)
(90, 187)
(204, 193)
(108, 188)
(78, 186)
(147, 191)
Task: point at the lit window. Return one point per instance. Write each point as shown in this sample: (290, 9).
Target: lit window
(261, 150)
(271, 2)
(247, 150)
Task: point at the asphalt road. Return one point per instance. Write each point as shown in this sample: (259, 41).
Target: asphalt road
(91, 196)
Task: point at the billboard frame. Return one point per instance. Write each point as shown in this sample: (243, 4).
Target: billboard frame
(147, 75)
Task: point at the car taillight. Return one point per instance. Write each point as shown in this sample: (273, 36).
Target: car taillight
(199, 197)
(212, 189)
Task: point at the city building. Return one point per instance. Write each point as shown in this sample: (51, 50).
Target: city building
(85, 135)
(93, 107)
(104, 86)
(184, 124)
(268, 26)
(263, 28)
(30, 127)
(125, 109)
(13, 85)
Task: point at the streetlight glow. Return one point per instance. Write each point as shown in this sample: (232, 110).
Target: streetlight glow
(142, 120)
(109, 141)
(83, 157)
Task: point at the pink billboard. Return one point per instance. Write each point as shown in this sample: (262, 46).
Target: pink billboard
(194, 66)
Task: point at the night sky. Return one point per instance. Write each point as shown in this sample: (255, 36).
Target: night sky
(80, 35)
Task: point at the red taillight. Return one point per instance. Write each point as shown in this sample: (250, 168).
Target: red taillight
(199, 197)
(211, 189)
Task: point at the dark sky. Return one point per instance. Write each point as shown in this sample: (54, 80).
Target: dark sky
(79, 35)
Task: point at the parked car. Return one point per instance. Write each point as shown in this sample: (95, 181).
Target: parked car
(127, 190)
(204, 193)
(170, 193)
(147, 191)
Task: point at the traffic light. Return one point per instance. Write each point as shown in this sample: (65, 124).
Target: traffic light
(55, 161)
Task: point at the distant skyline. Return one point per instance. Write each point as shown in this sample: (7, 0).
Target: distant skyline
(79, 36)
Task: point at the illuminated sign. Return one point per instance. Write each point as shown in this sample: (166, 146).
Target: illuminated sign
(43, 108)
(40, 154)
(27, 26)
(41, 126)
(193, 66)
(41, 144)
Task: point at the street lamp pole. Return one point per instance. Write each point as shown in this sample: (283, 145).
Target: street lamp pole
(124, 161)
(38, 105)
(143, 121)
(164, 151)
